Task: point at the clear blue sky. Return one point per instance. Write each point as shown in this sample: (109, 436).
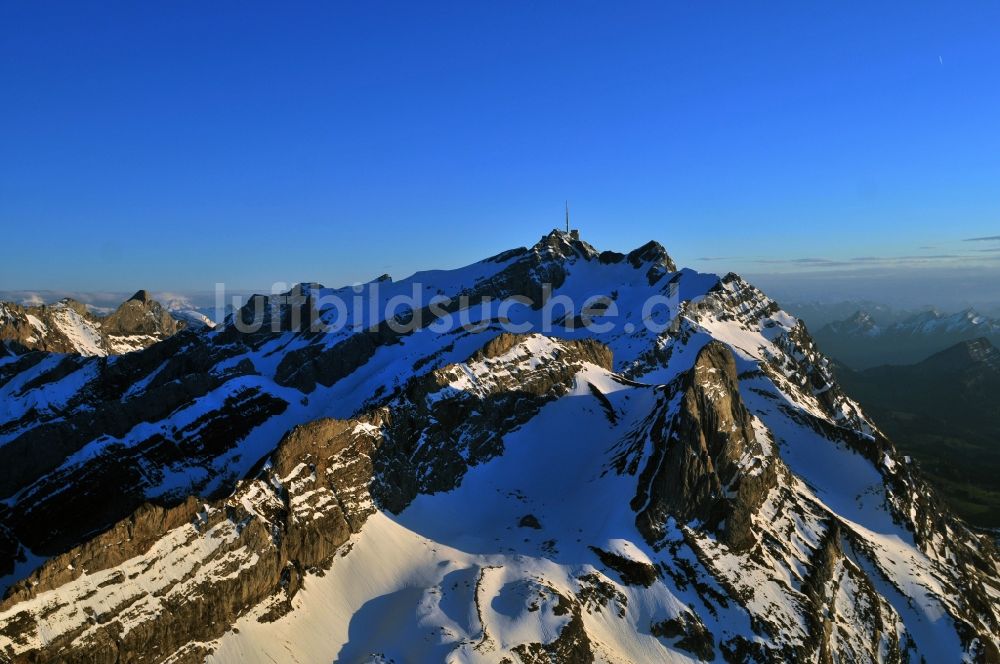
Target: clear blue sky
(172, 145)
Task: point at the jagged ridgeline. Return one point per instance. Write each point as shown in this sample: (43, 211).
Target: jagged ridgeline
(69, 326)
(685, 483)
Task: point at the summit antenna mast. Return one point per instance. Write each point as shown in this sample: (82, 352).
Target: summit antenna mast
(567, 217)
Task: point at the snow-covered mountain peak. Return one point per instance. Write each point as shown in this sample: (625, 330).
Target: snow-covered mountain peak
(70, 326)
(668, 473)
(973, 317)
(560, 244)
(653, 253)
(73, 305)
(933, 321)
(564, 246)
(861, 323)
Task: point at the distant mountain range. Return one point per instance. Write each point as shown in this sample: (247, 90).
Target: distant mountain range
(945, 412)
(818, 314)
(862, 342)
(69, 326)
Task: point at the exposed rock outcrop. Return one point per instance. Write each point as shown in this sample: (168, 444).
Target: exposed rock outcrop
(317, 488)
(69, 326)
(179, 576)
(707, 462)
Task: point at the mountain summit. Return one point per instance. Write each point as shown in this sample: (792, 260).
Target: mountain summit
(69, 326)
(141, 296)
(557, 454)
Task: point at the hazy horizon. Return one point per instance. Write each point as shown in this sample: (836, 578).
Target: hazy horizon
(948, 289)
(173, 147)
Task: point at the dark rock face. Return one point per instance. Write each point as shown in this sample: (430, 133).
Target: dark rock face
(126, 539)
(694, 637)
(654, 253)
(597, 593)
(177, 373)
(632, 572)
(48, 519)
(696, 470)
(141, 296)
(55, 519)
(572, 644)
(294, 517)
(529, 521)
(341, 452)
(306, 367)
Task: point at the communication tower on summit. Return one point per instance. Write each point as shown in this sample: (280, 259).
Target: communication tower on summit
(574, 234)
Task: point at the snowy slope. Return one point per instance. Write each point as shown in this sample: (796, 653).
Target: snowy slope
(702, 490)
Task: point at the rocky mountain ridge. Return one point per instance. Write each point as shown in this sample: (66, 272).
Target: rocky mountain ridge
(69, 326)
(687, 482)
